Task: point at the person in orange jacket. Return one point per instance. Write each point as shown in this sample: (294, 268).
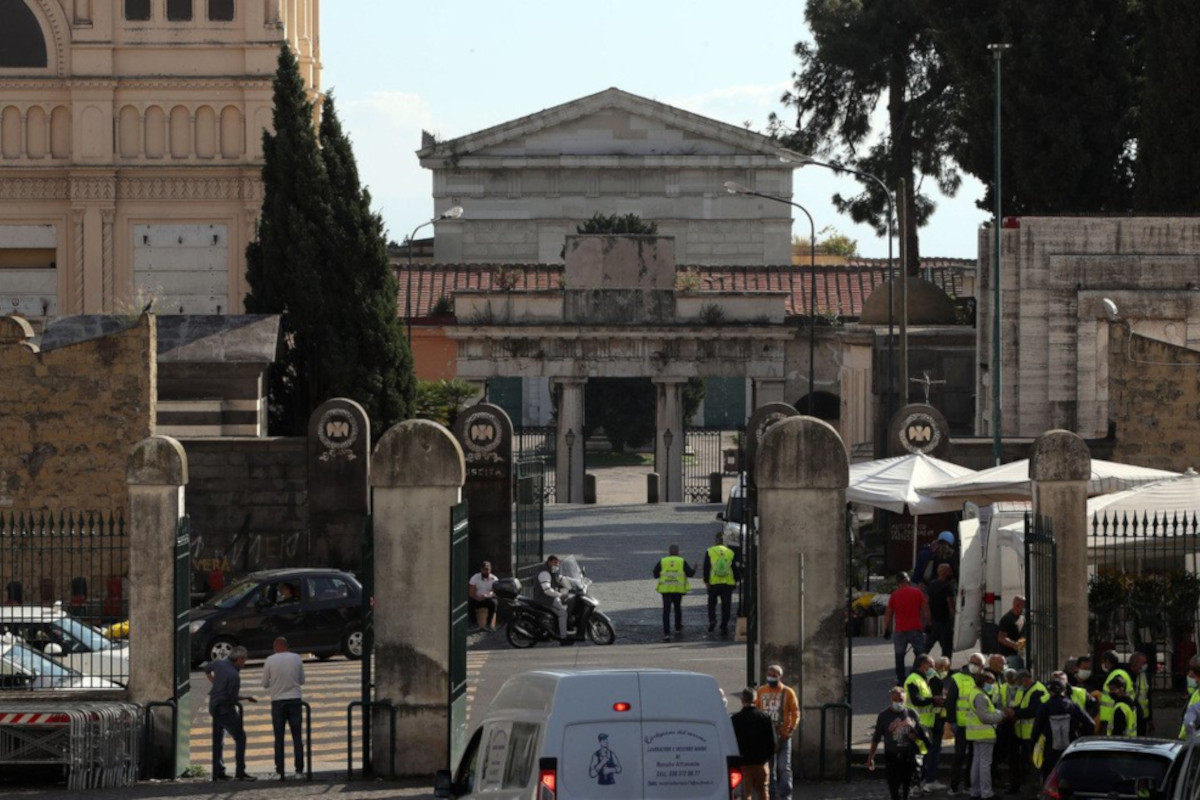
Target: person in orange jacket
(780, 704)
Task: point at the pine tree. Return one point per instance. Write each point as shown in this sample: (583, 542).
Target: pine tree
(367, 357)
(320, 261)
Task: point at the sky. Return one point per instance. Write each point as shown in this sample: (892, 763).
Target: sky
(454, 68)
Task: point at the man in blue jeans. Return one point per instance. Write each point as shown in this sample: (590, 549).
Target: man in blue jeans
(904, 620)
(282, 677)
(226, 679)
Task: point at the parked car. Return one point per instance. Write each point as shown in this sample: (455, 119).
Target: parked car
(22, 668)
(56, 634)
(1111, 767)
(318, 610)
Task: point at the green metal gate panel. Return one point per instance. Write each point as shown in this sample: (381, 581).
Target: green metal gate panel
(459, 567)
(183, 644)
(506, 393)
(1041, 596)
(530, 529)
(725, 402)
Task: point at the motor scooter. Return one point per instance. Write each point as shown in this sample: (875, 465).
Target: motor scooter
(531, 622)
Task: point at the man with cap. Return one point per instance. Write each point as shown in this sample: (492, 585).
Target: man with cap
(930, 556)
(904, 620)
(756, 744)
(605, 766)
(1061, 721)
(899, 730)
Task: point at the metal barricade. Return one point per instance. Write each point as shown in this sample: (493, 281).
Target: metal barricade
(97, 743)
(849, 720)
(366, 706)
(307, 739)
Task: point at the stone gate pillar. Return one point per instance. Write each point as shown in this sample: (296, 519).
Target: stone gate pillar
(801, 470)
(569, 462)
(1060, 467)
(417, 473)
(668, 450)
(156, 474)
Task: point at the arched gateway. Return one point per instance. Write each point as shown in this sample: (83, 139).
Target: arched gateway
(622, 312)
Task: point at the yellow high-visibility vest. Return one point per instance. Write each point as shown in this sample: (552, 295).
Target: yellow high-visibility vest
(671, 577)
(720, 565)
(977, 730)
(916, 685)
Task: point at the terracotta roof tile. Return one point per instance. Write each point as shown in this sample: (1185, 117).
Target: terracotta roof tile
(840, 289)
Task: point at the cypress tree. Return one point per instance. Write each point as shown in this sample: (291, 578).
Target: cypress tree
(367, 357)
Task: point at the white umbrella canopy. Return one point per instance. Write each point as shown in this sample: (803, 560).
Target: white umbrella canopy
(1173, 496)
(1011, 481)
(895, 484)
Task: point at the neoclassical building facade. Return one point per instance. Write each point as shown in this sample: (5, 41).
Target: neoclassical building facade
(130, 148)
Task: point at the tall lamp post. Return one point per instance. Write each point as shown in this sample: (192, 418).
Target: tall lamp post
(668, 437)
(454, 212)
(800, 159)
(569, 438)
(997, 445)
(733, 187)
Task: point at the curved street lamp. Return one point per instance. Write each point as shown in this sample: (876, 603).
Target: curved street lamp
(454, 212)
(799, 159)
(733, 187)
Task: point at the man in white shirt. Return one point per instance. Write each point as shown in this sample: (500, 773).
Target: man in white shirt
(481, 597)
(282, 677)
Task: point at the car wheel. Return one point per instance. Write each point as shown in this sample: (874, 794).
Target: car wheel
(352, 645)
(220, 648)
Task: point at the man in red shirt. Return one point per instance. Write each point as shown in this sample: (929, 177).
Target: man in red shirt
(905, 620)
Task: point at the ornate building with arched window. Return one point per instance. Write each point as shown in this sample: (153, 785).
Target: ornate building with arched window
(130, 148)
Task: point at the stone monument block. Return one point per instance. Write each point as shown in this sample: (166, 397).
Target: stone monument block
(339, 438)
(486, 435)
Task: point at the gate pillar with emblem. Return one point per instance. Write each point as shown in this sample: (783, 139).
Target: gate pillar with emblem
(801, 472)
(339, 440)
(1059, 468)
(156, 474)
(417, 473)
(486, 435)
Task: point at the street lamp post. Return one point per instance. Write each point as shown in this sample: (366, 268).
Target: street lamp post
(733, 187)
(801, 160)
(668, 437)
(569, 438)
(997, 445)
(454, 212)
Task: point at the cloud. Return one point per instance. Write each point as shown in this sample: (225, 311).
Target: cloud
(736, 105)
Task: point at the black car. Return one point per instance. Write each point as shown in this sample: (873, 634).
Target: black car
(1110, 767)
(318, 610)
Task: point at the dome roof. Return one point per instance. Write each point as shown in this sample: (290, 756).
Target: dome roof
(927, 305)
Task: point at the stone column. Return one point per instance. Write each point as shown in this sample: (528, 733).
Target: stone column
(768, 391)
(801, 471)
(1059, 467)
(569, 460)
(668, 456)
(156, 474)
(417, 473)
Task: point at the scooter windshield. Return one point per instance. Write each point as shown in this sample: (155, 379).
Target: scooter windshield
(569, 568)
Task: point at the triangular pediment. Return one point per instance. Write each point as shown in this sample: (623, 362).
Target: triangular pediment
(609, 123)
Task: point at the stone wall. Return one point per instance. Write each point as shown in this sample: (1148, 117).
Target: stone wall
(72, 415)
(248, 503)
(1154, 396)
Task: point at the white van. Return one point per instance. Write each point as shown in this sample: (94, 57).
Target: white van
(991, 571)
(576, 734)
(733, 534)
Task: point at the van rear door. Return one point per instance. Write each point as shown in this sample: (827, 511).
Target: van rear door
(970, 585)
(601, 754)
(684, 750)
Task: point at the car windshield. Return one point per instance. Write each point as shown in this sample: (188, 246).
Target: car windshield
(1107, 772)
(232, 595)
(82, 638)
(37, 664)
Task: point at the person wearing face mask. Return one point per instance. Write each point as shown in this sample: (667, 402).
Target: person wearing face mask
(982, 719)
(1033, 695)
(1059, 721)
(1086, 680)
(923, 703)
(1124, 717)
(1191, 713)
(1110, 666)
(938, 685)
(553, 588)
(899, 728)
(958, 690)
(779, 701)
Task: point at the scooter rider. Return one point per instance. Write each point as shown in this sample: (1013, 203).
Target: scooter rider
(553, 589)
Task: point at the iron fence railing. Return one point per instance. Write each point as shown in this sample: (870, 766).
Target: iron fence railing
(538, 443)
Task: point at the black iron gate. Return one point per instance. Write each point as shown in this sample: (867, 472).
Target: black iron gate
(538, 443)
(459, 568)
(367, 579)
(1041, 596)
(704, 454)
(530, 532)
(183, 607)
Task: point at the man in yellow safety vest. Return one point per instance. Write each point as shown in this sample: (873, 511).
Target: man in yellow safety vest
(720, 576)
(672, 574)
(1111, 669)
(981, 719)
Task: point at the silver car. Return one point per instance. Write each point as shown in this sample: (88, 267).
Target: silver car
(22, 668)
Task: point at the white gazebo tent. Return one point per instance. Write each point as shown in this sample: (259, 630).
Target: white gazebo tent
(1011, 481)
